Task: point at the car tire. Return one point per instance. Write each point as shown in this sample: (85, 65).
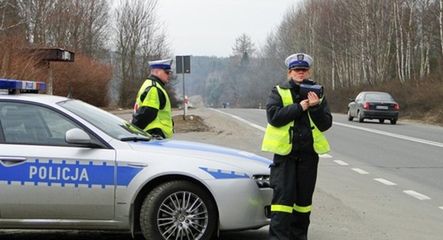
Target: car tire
(350, 117)
(393, 121)
(360, 117)
(381, 120)
(164, 208)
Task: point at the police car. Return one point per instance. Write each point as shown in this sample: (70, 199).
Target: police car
(65, 164)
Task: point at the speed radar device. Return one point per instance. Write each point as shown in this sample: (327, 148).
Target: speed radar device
(306, 88)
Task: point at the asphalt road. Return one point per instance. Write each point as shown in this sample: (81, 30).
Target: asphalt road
(385, 179)
(379, 182)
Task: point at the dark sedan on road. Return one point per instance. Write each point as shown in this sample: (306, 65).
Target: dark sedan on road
(373, 105)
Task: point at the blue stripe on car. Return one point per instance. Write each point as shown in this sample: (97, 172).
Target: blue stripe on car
(63, 173)
(223, 174)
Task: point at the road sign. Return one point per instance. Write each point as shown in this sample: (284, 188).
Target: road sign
(182, 64)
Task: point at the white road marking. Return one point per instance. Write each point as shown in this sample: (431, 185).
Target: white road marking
(256, 126)
(358, 170)
(342, 163)
(242, 120)
(361, 171)
(385, 182)
(412, 139)
(417, 195)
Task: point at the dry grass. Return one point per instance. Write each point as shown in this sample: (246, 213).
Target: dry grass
(193, 123)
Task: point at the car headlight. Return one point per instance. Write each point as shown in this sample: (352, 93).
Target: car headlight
(262, 181)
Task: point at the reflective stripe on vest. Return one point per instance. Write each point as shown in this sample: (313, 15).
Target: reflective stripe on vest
(279, 139)
(163, 120)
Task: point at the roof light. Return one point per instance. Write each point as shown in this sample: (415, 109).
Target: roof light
(14, 86)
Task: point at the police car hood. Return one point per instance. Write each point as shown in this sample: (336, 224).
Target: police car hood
(249, 162)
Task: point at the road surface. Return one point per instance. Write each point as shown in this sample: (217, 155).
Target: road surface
(380, 181)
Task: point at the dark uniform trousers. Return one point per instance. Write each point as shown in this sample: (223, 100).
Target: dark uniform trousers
(293, 180)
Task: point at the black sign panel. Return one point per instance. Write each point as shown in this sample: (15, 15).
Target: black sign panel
(183, 64)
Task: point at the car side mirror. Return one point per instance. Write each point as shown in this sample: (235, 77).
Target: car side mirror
(77, 136)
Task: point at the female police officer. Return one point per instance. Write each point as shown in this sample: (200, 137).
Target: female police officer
(294, 135)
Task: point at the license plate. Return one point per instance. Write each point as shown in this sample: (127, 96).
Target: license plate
(382, 107)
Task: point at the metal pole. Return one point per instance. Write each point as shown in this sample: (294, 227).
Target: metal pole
(184, 92)
(50, 87)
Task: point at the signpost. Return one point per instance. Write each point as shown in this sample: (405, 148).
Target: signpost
(183, 65)
(48, 55)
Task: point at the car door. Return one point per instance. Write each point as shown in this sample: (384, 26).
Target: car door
(352, 106)
(356, 104)
(42, 176)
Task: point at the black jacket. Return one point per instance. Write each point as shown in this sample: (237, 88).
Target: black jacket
(302, 134)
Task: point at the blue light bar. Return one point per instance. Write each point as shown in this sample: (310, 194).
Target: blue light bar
(21, 85)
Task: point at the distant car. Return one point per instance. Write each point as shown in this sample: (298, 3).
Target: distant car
(65, 164)
(373, 105)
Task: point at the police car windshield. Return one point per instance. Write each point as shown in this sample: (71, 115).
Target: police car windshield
(107, 122)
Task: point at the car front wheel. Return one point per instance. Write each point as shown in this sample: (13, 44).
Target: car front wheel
(393, 121)
(350, 117)
(178, 210)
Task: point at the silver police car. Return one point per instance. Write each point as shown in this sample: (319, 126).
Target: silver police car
(65, 164)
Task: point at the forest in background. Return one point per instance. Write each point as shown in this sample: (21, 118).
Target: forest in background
(112, 46)
(393, 46)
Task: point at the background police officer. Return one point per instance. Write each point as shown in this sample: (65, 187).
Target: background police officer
(294, 135)
(152, 110)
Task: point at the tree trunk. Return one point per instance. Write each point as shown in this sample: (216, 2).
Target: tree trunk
(408, 60)
(441, 26)
(398, 41)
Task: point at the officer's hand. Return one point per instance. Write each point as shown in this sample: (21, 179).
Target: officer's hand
(304, 104)
(313, 99)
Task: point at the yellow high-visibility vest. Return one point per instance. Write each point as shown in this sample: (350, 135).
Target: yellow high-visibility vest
(278, 139)
(164, 116)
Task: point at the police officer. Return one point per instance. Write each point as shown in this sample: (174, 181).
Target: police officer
(294, 135)
(152, 109)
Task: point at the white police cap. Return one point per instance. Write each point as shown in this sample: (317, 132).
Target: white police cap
(299, 60)
(160, 64)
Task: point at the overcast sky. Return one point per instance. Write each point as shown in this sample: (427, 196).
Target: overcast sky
(210, 27)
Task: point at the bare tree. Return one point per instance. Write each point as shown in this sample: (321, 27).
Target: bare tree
(424, 41)
(9, 18)
(35, 13)
(139, 39)
(79, 25)
(441, 26)
(243, 45)
(96, 27)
